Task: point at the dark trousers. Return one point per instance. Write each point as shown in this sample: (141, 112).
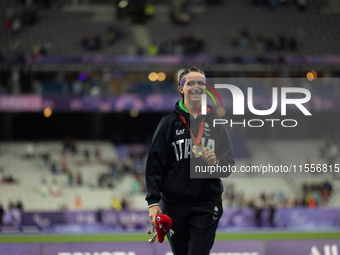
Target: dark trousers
(194, 227)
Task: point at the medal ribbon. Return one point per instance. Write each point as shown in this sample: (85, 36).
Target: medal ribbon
(200, 130)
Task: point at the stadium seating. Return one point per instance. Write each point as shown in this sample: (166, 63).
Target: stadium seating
(65, 26)
(235, 16)
(64, 29)
(30, 172)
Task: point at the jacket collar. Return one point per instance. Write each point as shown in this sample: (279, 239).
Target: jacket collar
(180, 109)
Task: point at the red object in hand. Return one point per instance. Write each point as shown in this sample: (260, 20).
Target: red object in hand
(163, 223)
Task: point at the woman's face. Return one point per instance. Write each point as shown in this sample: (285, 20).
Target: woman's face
(190, 90)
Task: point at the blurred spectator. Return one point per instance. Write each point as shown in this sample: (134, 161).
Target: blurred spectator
(310, 201)
(330, 151)
(11, 205)
(285, 202)
(43, 180)
(78, 87)
(55, 189)
(125, 204)
(116, 204)
(41, 51)
(105, 180)
(36, 51)
(119, 169)
(41, 151)
(113, 34)
(333, 153)
(70, 178)
(153, 50)
(70, 145)
(313, 195)
(91, 42)
(1, 213)
(101, 179)
(259, 205)
(230, 195)
(190, 44)
(29, 15)
(244, 38)
(64, 162)
(241, 200)
(129, 165)
(180, 15)
(272, 206)
(99, 217)
(30, 150)
(8, 25)
(293, 44)
(9, 179)
(43, 188)
(270, 45)
(316, 194)
(78, 202)
(20, 206)
(53, 168)
(265, 44)
(63, 207)
(140, 50)
(234, 39)
(16, 25)
(136, 185)
(73, 146)
(113, 169)
(297, 202)
(79, 179)
(139, 165)
(328, 186)
(260, 43)
(326, 191)
(87, 155)
(47, 46)
(12, 216)
(97, 154)
(324, 148)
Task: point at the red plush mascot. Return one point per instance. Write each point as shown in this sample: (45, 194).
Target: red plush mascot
(163, 223)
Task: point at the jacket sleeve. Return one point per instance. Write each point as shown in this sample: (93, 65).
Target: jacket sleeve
(225, 148)
(156, 162)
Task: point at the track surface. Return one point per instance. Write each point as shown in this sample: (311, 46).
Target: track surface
(143, 238)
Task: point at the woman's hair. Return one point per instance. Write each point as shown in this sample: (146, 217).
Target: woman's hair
(185, 72)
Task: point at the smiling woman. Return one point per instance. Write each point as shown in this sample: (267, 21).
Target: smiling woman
(193, 204)
(190, 86)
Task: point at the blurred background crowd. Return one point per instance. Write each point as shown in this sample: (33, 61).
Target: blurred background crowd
(84, 83)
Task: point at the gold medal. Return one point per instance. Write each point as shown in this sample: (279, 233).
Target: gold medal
(198, 149)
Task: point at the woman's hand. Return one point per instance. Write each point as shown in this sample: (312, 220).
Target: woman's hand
(209, 156)
(153, 211)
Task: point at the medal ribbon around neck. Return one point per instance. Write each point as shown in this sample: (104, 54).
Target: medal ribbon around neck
(200, 130)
